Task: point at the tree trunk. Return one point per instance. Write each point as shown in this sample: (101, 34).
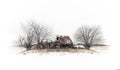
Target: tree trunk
(87, 47)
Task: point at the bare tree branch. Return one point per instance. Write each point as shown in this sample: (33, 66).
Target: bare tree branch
(89, 35)
(40, 32)
(33, 35)
(20, 41)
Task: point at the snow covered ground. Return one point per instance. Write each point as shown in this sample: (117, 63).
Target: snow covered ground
(104, 60)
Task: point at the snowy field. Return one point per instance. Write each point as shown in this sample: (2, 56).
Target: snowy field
(64, 16)
(104, 60)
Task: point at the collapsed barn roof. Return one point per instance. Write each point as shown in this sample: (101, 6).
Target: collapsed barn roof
(64, 40)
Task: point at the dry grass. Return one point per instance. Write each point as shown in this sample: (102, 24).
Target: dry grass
(99, 48)
(93, 50)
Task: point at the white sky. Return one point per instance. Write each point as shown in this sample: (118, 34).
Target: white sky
(64, 16)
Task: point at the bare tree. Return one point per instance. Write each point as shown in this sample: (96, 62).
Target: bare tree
(89, 36)
(27, 39)
(34, 34)
(40, 32)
